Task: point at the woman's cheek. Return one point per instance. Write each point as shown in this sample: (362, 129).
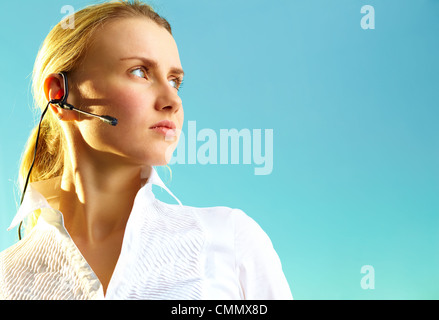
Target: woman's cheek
(127, 104)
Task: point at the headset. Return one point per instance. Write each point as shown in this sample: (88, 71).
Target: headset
(61, 103)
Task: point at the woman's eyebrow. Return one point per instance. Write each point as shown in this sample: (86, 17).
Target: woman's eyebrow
(153, 64)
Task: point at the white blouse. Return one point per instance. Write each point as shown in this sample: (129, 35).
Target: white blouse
(169, 251)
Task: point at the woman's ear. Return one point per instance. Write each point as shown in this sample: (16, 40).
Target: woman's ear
(54, 86)
(54, 89)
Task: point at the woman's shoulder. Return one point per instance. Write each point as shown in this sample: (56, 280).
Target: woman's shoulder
(12, 253)
(233, 221)
(221, 214)
(256, 263)
(13, 261)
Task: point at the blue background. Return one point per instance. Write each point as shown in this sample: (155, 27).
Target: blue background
(354, 114)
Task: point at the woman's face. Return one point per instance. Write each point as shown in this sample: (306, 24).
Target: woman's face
(131, 72)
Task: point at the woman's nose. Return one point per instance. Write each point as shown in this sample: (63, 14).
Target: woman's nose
(168, 98)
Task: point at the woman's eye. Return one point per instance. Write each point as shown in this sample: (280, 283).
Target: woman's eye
(139, 72)
(142, 73)
(176, 83)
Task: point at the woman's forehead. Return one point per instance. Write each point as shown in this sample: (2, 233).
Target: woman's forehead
(129, 37)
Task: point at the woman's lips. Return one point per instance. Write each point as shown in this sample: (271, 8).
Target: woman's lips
(165, 127)
(165, 131)
(164, 123)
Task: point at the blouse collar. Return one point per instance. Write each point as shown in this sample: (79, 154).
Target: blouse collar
(34, 199)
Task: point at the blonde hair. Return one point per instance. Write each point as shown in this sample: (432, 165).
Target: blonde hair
(63, 50)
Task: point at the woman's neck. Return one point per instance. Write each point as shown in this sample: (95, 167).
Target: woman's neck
(97, 196)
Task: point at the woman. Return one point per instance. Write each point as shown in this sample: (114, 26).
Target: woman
(96, 229)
